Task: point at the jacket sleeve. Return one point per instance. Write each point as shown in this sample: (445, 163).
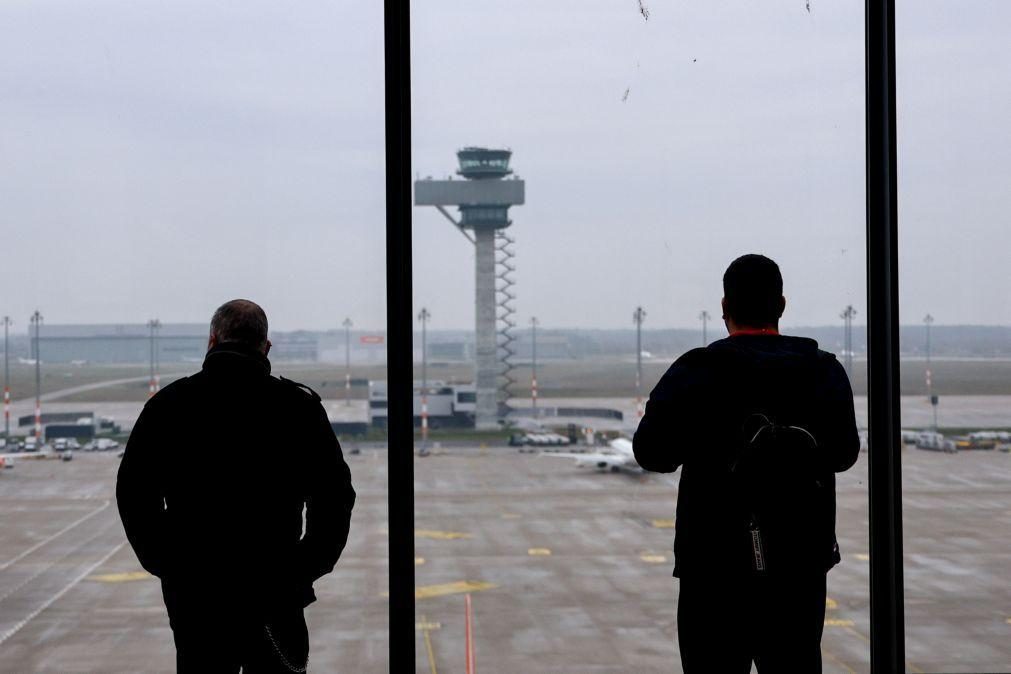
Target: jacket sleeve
(140, 494)
(837, 427)
(329, 500)
(658, 444)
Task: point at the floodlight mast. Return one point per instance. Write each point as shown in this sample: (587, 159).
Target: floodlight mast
(483, 199)
(7, 378)
(928, 320)
(704, 317)
(847, 315)
(153, 325)
(533, 364)
(423, 317)
(36, 320)
(639, 316)
(348, 324)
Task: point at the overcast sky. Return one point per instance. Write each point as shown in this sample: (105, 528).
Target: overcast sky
(159, 158)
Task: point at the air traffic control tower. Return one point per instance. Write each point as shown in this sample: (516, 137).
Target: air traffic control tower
(483, 199)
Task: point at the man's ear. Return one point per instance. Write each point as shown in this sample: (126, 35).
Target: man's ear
(723, 306)
(266, 349)
(782, 306)
(212, 341)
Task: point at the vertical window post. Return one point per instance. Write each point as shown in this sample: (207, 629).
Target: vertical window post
(884, 471)
(400, 333)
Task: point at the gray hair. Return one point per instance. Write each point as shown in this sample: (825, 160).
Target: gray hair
(240, 322)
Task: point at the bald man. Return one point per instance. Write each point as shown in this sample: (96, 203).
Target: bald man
(215, 478)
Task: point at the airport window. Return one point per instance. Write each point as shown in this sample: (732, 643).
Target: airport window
(217, 159)
(158, 161)
(955, 339)
(562, 556)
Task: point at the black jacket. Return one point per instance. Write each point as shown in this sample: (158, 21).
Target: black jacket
(694, 420)
(214, 479)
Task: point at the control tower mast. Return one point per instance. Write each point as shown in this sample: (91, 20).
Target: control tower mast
(483, 199)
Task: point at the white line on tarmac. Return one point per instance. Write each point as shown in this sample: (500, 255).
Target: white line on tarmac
(52, 600)
(57, 534)
(43, 569)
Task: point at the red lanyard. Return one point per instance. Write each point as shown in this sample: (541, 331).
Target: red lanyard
(755, 331)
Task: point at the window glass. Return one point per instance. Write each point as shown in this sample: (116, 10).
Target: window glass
(954, 154)
(655, 142)
(158, 160)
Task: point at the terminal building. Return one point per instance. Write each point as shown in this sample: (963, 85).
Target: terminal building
(449, 405)
(121, 343)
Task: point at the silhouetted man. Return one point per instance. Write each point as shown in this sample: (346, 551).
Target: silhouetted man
(211, 491)
(759, 424)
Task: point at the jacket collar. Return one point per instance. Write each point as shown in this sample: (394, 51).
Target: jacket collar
(231, 358)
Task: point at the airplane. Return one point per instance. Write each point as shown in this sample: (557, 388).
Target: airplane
(619, 458)
(28, 361)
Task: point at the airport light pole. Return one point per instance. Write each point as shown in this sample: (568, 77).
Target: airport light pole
(928, 320)
(847, 315)
(36, 320)
(347, 360)
(7, 378)
(639, 316)
(533, 365)
(157, 356)
(423, 317)
(152, 326)
(704, 317)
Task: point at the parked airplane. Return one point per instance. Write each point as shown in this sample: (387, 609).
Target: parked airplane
(618, 457)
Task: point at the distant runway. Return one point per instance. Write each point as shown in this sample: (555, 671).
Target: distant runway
(569, 569)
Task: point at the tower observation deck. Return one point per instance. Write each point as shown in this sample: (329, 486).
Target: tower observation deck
(483, 199)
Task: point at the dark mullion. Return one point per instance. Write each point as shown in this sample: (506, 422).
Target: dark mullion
(399, 332)
(885, 473)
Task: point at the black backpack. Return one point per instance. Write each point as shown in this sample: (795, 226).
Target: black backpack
(784, 499)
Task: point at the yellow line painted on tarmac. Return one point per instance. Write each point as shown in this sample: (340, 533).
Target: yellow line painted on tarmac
(510, 516)
(838, 661)
(441, 535)
(428, 625)
(838, 622)
(653, 559)
(909, 666)
(1007, 620)
(663, 524)
(862, 557)
(831, 603)
(121, 577)
(428, 643)
(539, 552)
(857, 634)
(418, 561)
(459, 587)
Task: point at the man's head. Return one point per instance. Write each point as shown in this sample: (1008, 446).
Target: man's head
(240, 322)
(752, 293)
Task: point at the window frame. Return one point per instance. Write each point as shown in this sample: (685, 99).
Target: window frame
(884, 468)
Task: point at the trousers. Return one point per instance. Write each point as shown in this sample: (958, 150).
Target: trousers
(214, 641)
(726, 624)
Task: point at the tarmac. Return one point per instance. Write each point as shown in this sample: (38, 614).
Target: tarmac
(569, 569)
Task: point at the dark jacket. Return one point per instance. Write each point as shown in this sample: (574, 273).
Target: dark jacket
(694, 420)
(214, 479)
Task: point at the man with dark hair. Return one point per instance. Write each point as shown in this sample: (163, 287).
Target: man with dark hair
(759, 424)
(217, 475)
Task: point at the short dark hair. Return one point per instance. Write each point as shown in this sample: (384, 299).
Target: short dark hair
(753, 290)
(240, 322)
